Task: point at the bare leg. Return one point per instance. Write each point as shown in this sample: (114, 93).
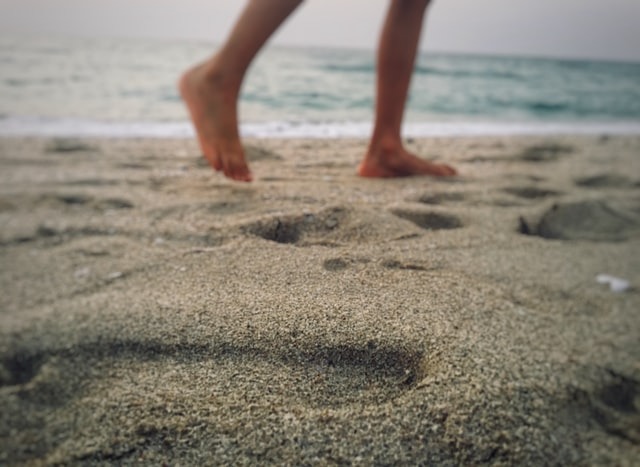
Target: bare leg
(211, 90)
(386, 156)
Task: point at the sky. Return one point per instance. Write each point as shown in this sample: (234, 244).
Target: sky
(602, 29)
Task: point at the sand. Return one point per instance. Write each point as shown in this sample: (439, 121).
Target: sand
(154, 312)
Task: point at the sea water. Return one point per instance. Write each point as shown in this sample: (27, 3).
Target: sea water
(127, 87)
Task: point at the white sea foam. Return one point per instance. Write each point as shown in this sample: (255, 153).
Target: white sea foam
(61, 127)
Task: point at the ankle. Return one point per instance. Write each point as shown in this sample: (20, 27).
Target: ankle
(216, 72)
(383, 146)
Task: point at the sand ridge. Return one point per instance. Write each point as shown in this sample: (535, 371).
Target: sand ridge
(154, 312)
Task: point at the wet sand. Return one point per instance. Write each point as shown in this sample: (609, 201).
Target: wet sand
(152, 311)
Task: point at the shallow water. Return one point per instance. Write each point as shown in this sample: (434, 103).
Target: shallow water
(120, 87)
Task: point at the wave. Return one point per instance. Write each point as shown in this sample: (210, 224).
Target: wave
(350, 68)
(428, 70)
(462, 73)
(548, 107)
(12, 126)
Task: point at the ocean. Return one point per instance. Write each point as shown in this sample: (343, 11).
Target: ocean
(126, 88)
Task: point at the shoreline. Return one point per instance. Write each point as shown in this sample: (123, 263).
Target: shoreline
(32, 127)
(154, 311)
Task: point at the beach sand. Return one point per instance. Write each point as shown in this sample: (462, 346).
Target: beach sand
(152, 311)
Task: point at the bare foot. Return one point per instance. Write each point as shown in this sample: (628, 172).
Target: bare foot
(212, 105)
(398, 162)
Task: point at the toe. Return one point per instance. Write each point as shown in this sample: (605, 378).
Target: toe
(241, 174)
(450, 171)
(236, 169)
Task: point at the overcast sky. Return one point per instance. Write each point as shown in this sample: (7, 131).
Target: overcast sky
(608, 29)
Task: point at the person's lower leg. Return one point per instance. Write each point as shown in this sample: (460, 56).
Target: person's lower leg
(396, 57)
(211, 89)
(397, 50)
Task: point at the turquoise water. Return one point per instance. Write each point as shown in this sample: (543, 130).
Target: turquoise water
(120, 87)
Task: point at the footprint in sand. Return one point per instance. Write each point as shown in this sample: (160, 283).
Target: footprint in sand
(428, 220)
(402, 265)
(68, 145)
(606, 181)
(75, 199)
(340, 264)
(347, 226)
(19, 369)
(80, 381)
(93, 182)
(134, 166)
(616, 406)
(442, 198)
(313, 374)
(585, 220)
(531, 192)
(544, 152)
(302, 229)
(335, 264)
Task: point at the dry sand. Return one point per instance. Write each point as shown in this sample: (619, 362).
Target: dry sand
(153, 311)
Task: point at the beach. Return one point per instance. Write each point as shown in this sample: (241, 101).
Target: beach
(154, 312)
